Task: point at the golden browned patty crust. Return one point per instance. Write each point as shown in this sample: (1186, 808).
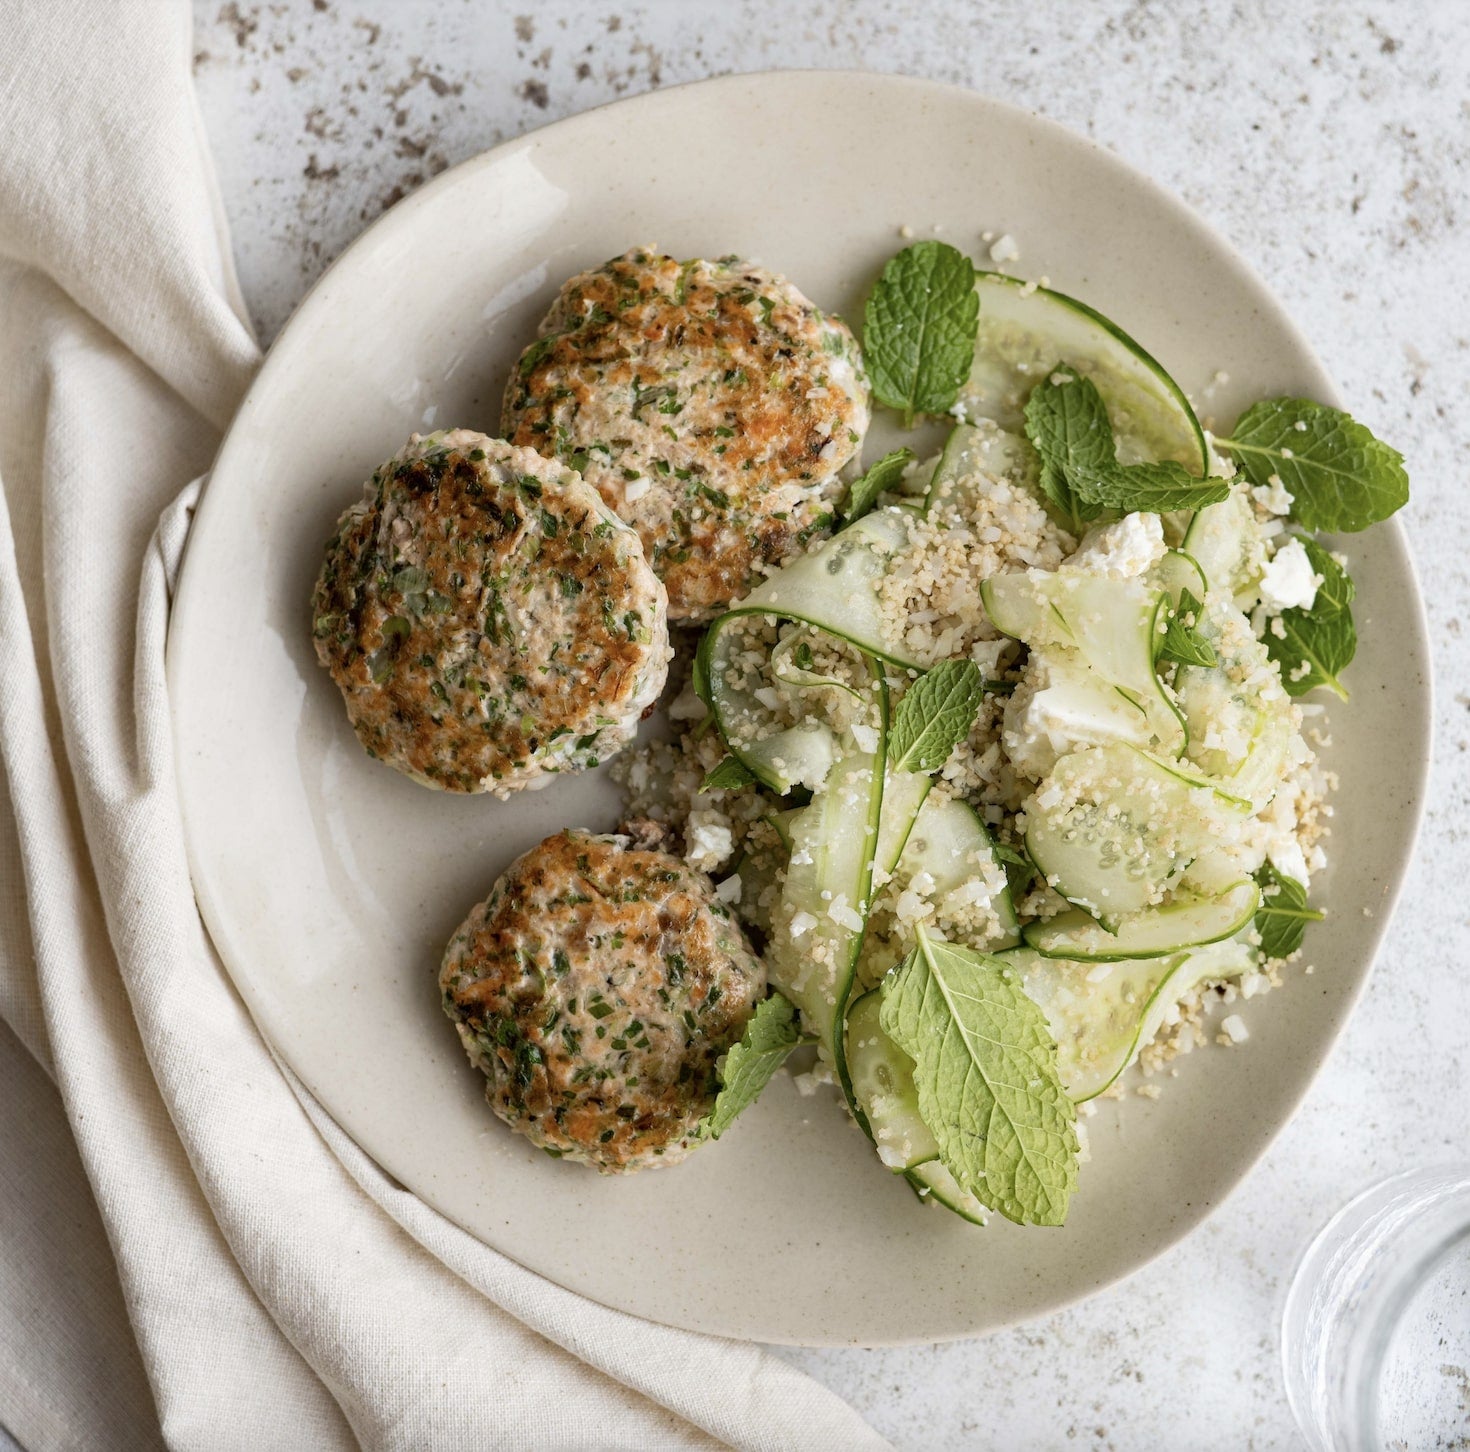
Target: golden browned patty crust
(488, 619)
(711, 405)
(597, 987)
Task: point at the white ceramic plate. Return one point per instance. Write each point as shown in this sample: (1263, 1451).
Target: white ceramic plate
(329, 883)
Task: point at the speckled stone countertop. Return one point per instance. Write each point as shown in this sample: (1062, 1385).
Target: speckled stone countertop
(1330, 142)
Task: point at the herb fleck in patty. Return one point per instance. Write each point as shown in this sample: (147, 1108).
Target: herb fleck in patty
(488, 620)
(597, 987)
(710, 404)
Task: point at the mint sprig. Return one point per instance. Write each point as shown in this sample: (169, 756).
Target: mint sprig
(919, 329)
(1282, 918)
(1068, 425)
(1154, 488)
(770, 1035)
(985, 1068)
(1182, 641)
(729, 776)
(1313, 647)
(1340, 477)
(935, 716)
(882, 478)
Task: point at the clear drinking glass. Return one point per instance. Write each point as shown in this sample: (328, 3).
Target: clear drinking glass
(1375, 1338)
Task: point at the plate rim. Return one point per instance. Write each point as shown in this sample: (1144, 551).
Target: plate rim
(188, 588)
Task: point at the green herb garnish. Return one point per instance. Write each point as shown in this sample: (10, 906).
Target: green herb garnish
(919, 329)
(1182, 641)
(1339, 476)
(935, 716)
(1283, 915)
(770, 1035)
(1067, 422)
(985, 1068)
(882, 478)
(729, 776)
(1313, 647)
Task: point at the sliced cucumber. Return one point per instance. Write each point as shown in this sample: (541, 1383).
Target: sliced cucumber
(883, 1085)
(796, 679)
(1102, 1015)
(1177, 572)
(934, 1182)
(1112, 829)
(1026, 331)
(904, 795)
(1112, 624)
(1259, 775)
(781, 821)
(1225, 543)
(1198, 781)
(1240, 735)
(1183, 923)
(956, 460)
(951, 844)
(828, 892)
(1070, 706)
(979, 450)
(796, 756)
(834, 587)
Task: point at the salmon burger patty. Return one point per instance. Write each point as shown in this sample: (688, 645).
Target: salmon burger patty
(490, 622)
(597, 988)
(710, 403)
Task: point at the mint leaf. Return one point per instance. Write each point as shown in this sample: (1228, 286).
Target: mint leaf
(729, 776)
(1154, 488)
(985, 1067)
(1067, 423)
(1339, 476)
(1282, 918)
(1019, 869)
(882, 478)
(770, 1035)
(1314, 646)
(919, 329)
(1008, 856)
(935, 716)
(1182, 641)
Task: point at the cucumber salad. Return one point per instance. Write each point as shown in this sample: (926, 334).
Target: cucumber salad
(1020, 759)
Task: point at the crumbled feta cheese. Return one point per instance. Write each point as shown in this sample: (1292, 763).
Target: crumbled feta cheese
(687, 706)
(1123, 549)
(865, 736)
(1288, 581)
(910, 906)
(1274, 497)
(769, 697)
(843, 915)
(987, 654)
(709, 845)
(1289, 860)
(1234, 1029)
(1004, 249)
(801, 924)
(729, 890)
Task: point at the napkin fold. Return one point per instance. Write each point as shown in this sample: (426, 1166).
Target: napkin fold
(191, 1251)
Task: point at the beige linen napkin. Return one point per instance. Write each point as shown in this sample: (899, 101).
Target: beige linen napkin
(279, 1290)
